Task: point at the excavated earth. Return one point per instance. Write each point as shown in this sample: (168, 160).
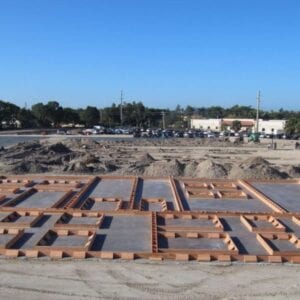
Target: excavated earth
(201, 158)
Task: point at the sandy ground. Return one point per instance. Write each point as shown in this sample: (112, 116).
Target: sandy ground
(37, 279)
(152, 157)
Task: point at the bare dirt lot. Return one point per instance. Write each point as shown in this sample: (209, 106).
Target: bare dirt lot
(153, 157)
(32, 279)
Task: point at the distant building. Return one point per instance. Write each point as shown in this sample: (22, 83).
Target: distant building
(271, 126)
(264, 126)
(13, 124)
(206, 124)
(246, 124)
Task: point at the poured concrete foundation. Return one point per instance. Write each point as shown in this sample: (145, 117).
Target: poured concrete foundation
(155, 218)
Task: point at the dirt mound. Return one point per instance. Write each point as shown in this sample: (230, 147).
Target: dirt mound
(293, 171)
(255, 168)
(59, 148)
(89, 164)
(134, 169)
(147, 158)
(138, 167)
(35, 157)
(190, 169)
(29, 146)
(165, 168)
(81, 143)
(255, 161)
(27, 167)
(89, 159)
(209, 169)
(78, 167)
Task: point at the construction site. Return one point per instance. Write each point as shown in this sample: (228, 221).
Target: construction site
(85, 217)
(148, 219)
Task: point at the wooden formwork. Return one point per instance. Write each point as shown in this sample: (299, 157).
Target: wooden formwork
(249, 222)
(77, 229)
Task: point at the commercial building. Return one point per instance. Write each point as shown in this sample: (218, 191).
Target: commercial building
(207, 124)
(264, 126)
(271, 126)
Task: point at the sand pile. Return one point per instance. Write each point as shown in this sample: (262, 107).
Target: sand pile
(293, 171)
(147, 158)
(165, 168)
(59, 148)
(255, 168)
(209, 169)
(137, 167)
(167, 157)
(190, 168)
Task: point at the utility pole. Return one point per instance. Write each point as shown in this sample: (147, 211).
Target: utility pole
(163, 119)
(121, 108)
(257, 112)
(100, 111)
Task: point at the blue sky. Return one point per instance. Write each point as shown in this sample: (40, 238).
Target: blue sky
(160, 52)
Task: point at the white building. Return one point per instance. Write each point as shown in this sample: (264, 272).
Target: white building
(246, 124)
(271, 126)
(264, 126)
(206, 124)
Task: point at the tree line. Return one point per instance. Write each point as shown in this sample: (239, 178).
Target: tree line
(134, 114)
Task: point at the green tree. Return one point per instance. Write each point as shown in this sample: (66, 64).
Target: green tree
(90, 116)
(26, 118)
(40, 111)
(236, 125)
(292, 126)
(8, 113)
(70, 116)
(55, 113)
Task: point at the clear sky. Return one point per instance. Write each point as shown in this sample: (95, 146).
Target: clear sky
(160, 52)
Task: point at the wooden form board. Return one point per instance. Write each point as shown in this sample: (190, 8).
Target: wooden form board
(175, 232)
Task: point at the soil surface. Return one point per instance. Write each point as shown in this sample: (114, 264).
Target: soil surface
(37, 279)
(152, 157)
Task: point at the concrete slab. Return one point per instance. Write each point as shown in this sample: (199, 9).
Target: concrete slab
(69, 241)
(290, 225)
(103, 205)
(152, 188)
(286, 195)
(244, 239)
(5, 238)
(32, 235)
(156, 235)
(124, 233)
(250, 205)
(261, 224)
(112, 188)
(3, 215)
(193, 244)
(41, 199)
(283, 245)
(82, 221)
(186, 222)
